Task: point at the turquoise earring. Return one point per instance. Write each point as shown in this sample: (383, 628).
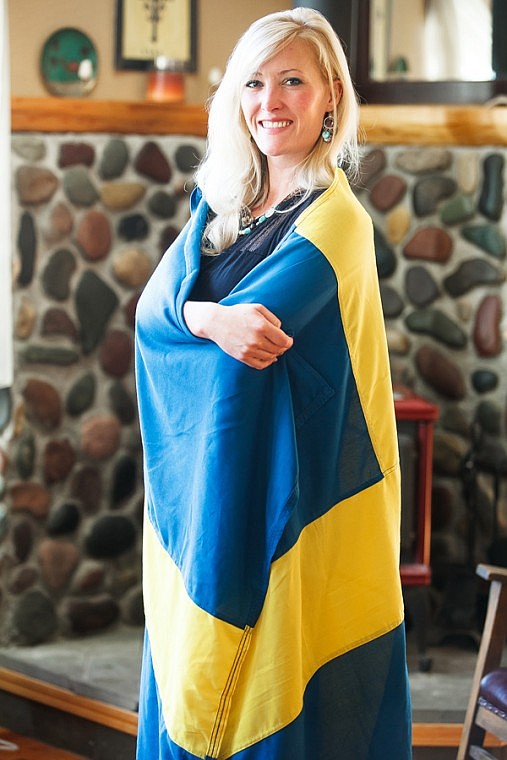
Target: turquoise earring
(327, 128)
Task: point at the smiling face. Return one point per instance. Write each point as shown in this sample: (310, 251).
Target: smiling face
(284, 104)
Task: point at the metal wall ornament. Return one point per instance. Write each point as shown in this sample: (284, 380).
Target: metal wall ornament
(151, 29)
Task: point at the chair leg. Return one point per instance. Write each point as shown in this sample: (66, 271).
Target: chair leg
(488, 658)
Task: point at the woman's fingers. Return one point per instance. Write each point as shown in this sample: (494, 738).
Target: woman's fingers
(250, 333)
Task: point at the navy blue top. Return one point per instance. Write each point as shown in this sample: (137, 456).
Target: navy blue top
(219, 274)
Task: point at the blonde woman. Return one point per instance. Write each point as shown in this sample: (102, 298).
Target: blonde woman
(274, 613)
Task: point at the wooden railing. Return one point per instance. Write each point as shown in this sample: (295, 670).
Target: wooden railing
(390, 125)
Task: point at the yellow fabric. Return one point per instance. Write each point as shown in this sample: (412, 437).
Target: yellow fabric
(186, 642)
(352, 257)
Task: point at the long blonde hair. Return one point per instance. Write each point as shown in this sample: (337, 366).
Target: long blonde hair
(233, 171)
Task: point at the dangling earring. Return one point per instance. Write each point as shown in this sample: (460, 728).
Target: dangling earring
(327, 128)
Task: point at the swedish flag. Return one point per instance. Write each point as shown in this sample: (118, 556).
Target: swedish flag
(274, 613)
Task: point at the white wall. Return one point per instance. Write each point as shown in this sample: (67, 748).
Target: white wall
(5, 207)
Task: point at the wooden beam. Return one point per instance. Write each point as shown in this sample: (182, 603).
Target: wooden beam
(385, 125)
(125, 117)
(434, 125)
(68, 701)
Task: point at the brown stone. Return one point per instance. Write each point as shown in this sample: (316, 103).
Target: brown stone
(429, 244)
(115, 355)
(88, 615)
(23, 578)
(487, 328)
(19, 420)
(31, 496)
(100, 436)
(59, 459)
(440, 372)
(58, 559)
(89, 577)
(129, 309)
(87, 487)
(59, 225)
(35, 185)
(387, 192)
(72, 153)
(43, 403)
(4, 461)
(25, 319)
(152, 163)
(132, 268)
(57, 322)
(93, 235)
(167, 237)
(22, 538)
(118, 196)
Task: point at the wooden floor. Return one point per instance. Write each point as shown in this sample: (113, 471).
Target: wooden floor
(15, 747)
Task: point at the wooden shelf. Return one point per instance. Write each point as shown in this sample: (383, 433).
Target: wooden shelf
(125, 117)
(381, 124)
(435, 125)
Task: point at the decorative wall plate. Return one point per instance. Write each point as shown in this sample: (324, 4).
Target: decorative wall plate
(69, 63)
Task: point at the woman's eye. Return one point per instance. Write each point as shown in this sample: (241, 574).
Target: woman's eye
(292, 81)
(252, 83)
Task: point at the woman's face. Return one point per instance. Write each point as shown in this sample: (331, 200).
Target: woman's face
(284, 104)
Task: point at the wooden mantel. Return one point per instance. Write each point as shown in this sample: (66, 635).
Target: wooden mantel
(389, 125)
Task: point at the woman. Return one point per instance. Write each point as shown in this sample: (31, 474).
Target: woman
(274, 615)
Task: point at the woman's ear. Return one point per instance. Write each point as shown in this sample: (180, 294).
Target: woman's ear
(338, 90)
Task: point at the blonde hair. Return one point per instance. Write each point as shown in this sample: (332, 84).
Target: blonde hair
(233, 172)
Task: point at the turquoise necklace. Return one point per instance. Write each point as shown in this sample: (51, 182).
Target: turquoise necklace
(248, 222)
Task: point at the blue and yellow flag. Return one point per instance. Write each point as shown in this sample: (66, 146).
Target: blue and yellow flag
(274, 613)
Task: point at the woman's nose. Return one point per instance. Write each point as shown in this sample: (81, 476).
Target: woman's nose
(271, 99)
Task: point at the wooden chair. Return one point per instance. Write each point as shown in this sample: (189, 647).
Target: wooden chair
(487, 706)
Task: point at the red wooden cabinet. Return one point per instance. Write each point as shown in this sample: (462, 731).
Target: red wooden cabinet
(415, 418)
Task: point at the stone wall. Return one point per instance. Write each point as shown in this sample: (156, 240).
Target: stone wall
(441, 222)
(92, 214)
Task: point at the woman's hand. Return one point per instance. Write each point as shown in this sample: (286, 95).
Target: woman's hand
(248, 332)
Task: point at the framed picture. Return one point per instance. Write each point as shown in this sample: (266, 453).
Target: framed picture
(148, 29)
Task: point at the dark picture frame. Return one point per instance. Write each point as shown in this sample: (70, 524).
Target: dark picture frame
(351, 21)
(398, 91)
(148, 29)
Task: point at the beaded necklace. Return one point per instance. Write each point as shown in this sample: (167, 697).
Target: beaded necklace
(249, 223)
